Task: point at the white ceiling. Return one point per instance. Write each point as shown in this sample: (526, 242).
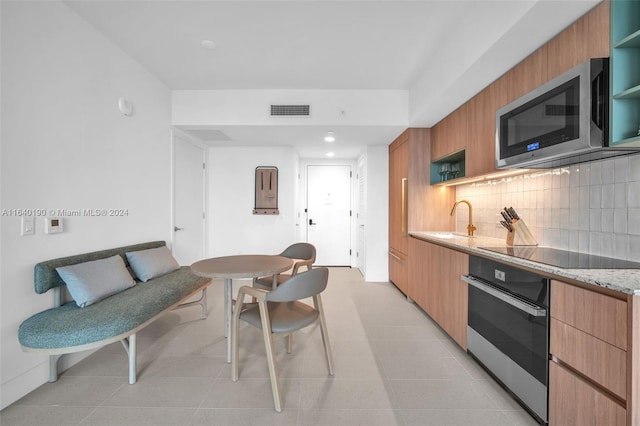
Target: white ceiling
(440, 52)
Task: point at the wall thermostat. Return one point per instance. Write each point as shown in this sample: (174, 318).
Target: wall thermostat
(53, 225)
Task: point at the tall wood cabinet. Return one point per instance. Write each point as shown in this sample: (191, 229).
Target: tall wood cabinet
(414, 205)
(398, 210)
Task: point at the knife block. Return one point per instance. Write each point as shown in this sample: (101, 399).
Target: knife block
(520, 236)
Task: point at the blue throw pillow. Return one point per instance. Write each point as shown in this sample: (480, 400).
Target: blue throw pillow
(152, 263)
(92, 281)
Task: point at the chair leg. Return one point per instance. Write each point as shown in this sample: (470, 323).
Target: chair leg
(253, 284)
(325, 333)
(289, 342)
(271, 359)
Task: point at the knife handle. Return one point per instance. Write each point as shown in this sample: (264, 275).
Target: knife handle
(513, 213)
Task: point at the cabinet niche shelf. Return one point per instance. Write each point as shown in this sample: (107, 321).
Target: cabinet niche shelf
(631, 93)
(625, 79)
(632, 141)
(448, 168)
(632, 40)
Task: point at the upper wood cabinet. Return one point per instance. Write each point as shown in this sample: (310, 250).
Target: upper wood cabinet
(527, 75)
(586, 38)
(472, 127)
(450, 134)
(481, 154)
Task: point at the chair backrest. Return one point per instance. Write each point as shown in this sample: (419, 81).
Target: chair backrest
(303, 251)
(304, 284)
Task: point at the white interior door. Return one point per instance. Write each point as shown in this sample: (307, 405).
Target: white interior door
(329, 213)
(188, 201)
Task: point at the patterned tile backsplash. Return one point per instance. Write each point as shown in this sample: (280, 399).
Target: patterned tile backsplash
(590, 207)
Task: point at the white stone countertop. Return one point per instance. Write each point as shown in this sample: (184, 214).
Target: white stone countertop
(623, 280)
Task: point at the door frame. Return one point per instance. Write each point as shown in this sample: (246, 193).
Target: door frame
(175, 132)
(302, 175)
(360, 215)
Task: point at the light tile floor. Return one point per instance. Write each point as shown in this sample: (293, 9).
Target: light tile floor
(393, 365)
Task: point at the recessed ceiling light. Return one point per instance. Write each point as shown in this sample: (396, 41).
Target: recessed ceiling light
(330, 154)
(208, 44)
(329, 137)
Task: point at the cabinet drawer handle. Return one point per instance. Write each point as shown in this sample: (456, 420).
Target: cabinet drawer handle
(394, 256)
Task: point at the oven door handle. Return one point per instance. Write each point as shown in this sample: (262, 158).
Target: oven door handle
(529, 308)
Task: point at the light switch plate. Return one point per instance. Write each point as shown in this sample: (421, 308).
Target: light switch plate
(27, 225)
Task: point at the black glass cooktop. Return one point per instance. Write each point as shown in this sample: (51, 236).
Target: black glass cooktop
(563, 258)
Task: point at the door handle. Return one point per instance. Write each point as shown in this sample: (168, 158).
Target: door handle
(403, 214)
(529, 308)
(311, 222)
(176, 229)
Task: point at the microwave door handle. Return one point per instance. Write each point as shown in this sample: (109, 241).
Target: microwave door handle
(597, 99)
(530, 309)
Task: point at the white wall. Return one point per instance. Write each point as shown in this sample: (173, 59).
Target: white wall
(328, 107)
(65, 145)
(233, 228)
(377, 218)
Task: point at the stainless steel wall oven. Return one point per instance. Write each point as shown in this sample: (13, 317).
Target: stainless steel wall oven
(508, 329)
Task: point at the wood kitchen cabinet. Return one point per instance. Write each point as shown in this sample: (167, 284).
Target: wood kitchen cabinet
(435, 285)
(592, 373)
(586, 38)
(471, 128)
(398, 213)
(625, 78)
(398, 195)
(575, 402)
(481, 151)
(450, 134)
(413, 203)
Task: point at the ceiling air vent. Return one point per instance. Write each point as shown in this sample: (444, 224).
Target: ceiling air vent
(289, 110)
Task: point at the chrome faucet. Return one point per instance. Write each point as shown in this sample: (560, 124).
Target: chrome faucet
(470, 227)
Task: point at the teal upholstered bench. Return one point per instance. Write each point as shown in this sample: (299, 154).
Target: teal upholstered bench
(68, 328)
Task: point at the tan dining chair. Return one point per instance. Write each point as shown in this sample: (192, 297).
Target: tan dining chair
(281, 311)
(303, 256)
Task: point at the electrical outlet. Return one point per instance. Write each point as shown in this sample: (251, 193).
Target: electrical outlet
(27, 225)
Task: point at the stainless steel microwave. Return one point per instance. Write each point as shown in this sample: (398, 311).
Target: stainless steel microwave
(561, 122)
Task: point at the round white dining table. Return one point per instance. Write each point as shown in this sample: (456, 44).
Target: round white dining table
(239, 266)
